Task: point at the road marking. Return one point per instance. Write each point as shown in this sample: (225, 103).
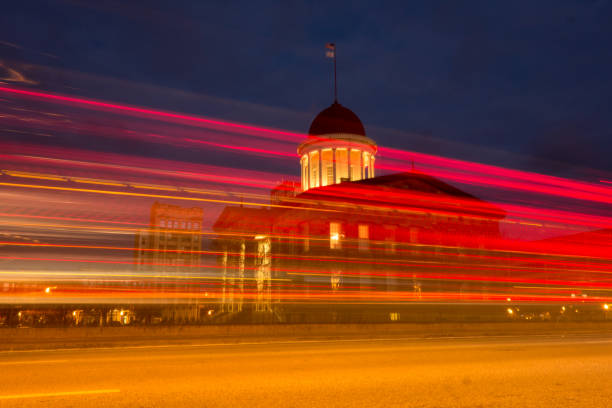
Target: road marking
(4, 363)
(58, 394)
(576, 338)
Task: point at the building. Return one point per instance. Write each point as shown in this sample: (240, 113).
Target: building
(169, 248)
(344, 237)
(173, 241)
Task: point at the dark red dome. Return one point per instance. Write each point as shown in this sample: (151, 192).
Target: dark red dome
(336, 119)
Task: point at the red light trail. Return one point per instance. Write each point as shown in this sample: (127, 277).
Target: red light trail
(77, 220)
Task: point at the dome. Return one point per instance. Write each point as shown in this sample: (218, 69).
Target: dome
(336, 119)
(336, 150)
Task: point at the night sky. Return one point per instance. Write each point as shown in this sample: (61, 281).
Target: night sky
(531, 78)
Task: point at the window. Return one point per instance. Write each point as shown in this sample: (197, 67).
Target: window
(366, 166)
(355, 164)
(364, 236)
(341, 164)
(314, 169)
(371, 166)
(327, 164)
(264, 251)
(329, 175)
(336, 279)
(334, 235)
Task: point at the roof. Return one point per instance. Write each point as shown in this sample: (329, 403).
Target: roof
(416, 181)
(405, 190)
(336, 119)
(244, 220)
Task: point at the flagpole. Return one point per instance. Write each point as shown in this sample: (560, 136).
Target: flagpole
(331, 53)
(335, 79)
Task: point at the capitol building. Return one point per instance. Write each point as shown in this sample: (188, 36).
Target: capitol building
(344, 236)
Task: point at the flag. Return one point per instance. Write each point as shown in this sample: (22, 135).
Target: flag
(331, 50)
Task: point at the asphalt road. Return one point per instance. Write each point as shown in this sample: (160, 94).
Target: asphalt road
(529, 371)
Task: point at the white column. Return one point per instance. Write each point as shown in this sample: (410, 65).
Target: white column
(348, 163)
(307, 171)
(320, 167)
(361, 164)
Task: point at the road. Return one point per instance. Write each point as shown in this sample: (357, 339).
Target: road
(527, 371)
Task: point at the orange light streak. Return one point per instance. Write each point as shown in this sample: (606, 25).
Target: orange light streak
(131, 194)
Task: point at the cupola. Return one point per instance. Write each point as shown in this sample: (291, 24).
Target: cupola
(337, 149)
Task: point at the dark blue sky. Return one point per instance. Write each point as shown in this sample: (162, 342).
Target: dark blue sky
(529, 77)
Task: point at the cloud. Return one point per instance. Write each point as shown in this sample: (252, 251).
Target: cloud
(9, 74)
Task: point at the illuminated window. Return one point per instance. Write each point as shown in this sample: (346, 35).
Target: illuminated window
(355, 164)
(371, 166)
(364, 236)
(162, 223)
(314, 169)
(196, 225)
(336, 279)
(334, 235)
(327, 164)
(329, 175)
(366, 165)
(264, 251)
(341, 164)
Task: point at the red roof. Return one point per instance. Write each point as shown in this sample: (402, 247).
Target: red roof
(407, 190)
